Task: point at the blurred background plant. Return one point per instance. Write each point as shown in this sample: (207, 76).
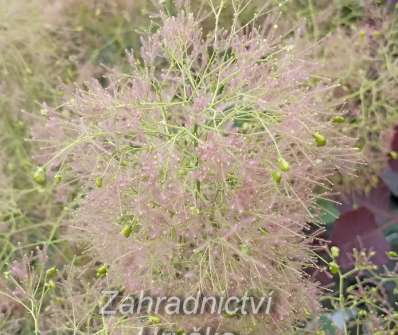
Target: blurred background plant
(359, 50)
(45, 46)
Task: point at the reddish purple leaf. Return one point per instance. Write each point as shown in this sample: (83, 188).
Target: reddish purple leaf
(377, 201)
(358, 229)
(390, 177)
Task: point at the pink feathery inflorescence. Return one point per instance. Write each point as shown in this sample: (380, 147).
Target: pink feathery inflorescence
(199, 166)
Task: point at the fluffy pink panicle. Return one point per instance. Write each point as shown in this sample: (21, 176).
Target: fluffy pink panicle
(199, 166)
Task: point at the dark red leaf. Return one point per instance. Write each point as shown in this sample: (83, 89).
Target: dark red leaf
(377, 201)
(358, 229)
(390, 177)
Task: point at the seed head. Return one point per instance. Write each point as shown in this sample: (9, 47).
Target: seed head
(277, 176)
(338, 119)
(102, 271)
(335, 251)
(393, 155)
(283, 165)
(320, 140)
(334, 268)
(99, 182)
(52, 272)
(127, 231)
(40, 176)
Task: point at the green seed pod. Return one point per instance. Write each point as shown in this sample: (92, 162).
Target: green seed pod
(102, 271)
(277, 177)
(338, 119)
(99, 182)
(40, 176)
(232, 180)
(335, 251)
(52, 272)
(246, 126)
(392, 254)
(58, 178)
(362, 314)
(320, 140)
(50, 284)
(194, 210)
(263, 231)
(334, 268)
(393, 155)
(129, 223)
(283, 164)
(245, 249)
(154, 320)
(230, 315)
(127, 230)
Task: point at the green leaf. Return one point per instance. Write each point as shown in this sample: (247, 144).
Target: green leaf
(169, 7)
(326, 324)
(329, 212)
